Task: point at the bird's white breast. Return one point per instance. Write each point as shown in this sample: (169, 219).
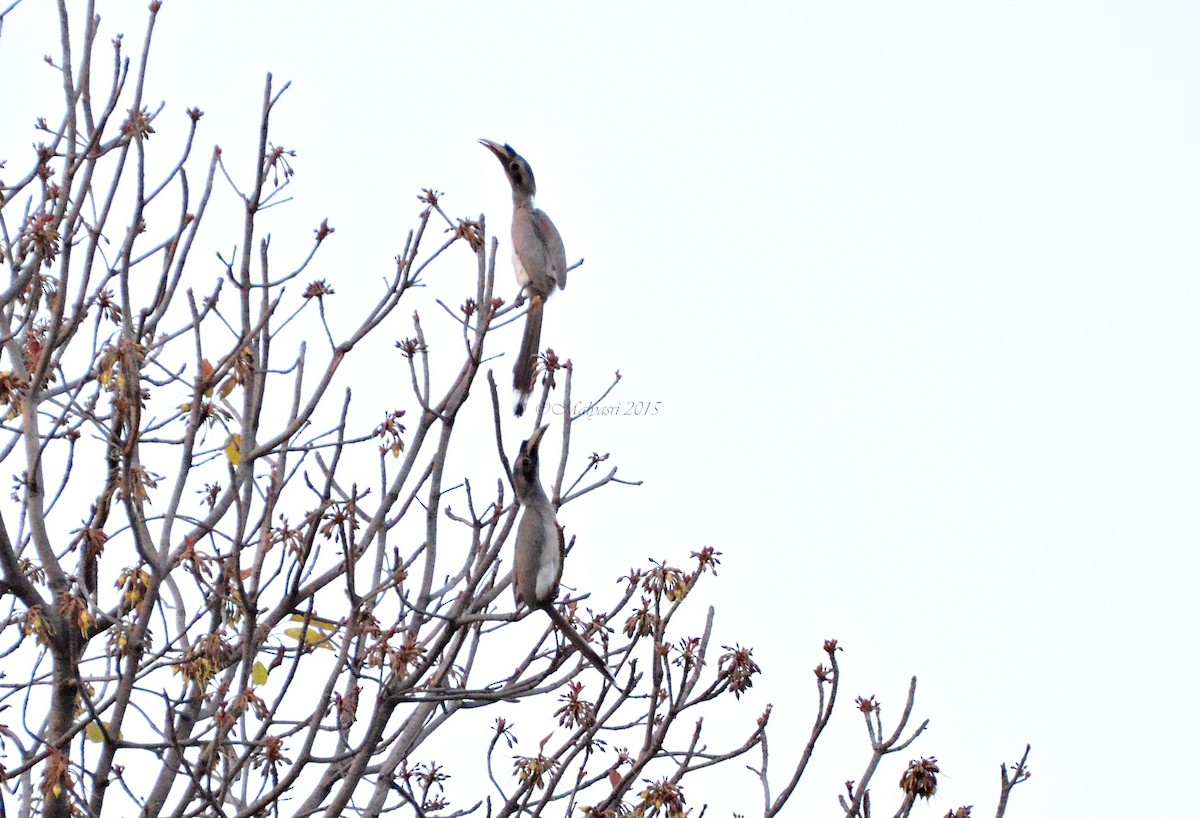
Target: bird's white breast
(550, 564)
(519, 268)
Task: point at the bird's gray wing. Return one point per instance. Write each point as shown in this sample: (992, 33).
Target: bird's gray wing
(555, 252)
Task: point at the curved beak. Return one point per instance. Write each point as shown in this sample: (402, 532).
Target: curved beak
(500, 151)
(530, 446)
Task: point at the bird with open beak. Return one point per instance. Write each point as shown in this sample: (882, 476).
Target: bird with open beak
(539, 259)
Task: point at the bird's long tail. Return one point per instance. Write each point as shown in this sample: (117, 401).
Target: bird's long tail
(578, 641)
(524, 368)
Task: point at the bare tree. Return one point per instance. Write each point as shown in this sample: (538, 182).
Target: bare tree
(223, 596)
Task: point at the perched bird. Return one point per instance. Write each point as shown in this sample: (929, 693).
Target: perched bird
(539, 259)
(538, 562)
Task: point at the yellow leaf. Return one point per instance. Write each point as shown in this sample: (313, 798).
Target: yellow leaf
(311, 636)
(227, 386)
(258, 674)
(95, 734)
(233, 449)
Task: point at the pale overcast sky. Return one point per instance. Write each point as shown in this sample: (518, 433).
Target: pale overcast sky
(915, 284)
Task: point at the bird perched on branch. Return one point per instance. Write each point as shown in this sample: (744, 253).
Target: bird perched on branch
(539, 259)
(538, 562)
